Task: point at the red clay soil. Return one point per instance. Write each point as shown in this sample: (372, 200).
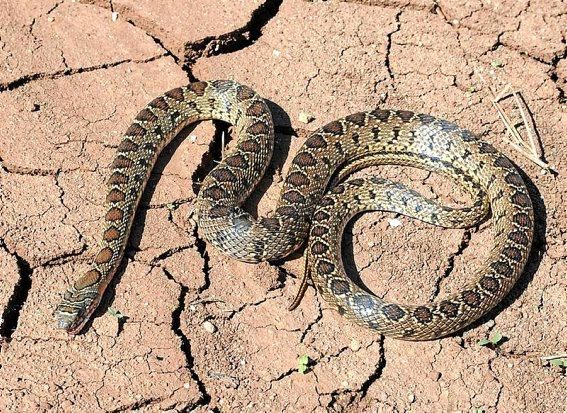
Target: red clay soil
(205, 333)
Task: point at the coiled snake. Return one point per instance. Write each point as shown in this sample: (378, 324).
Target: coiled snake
(306, 210)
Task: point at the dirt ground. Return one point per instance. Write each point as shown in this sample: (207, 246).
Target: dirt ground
(207, 334)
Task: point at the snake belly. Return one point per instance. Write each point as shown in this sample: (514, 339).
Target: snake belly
(375, 137)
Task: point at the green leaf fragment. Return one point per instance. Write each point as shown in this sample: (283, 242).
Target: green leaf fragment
(496, 63)
(496, 338)
(303, 364)
(484, 342)
(559, 362)
(116, 313)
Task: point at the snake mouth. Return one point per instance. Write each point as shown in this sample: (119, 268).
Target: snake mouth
(71, 318)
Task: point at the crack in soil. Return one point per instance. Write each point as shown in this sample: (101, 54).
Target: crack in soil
(24, 80)
(465, 241)
(185, 343)
(389, 45)
(233, 41)
(11, 314)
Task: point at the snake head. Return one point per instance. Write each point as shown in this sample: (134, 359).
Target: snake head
(74, 310)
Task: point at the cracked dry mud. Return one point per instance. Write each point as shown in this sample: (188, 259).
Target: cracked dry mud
(71, 81)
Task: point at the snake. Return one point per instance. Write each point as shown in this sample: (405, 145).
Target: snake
(317, 200)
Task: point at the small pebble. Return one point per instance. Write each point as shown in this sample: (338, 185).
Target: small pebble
(187, 385)
(355, 345)
(394, 222)
(276, 53)
(305, 117)
(114, 16)
(209, 327)
(193, 138)
(411, 397)
(50, 19)
(34, 107)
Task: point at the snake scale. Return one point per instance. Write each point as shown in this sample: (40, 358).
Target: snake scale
(315, 205)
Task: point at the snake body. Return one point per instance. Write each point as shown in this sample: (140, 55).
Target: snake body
(306, 209)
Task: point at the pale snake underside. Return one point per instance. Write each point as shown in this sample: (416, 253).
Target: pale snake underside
(313, 207)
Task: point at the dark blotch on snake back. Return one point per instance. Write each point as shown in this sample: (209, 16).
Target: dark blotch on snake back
(503, 162)
(319, 248)
(490, 284)
(357, 118)
(237, 161)
(146, 115)
(450, 309)
(111, 234)
(135, 130)
(304, 159)
(484, 147)
(286, 210)
(115, 195)
(258, 128)
(514, 179)
(502, 268)
(426, 119)
(90, 278)
(117, 178)
(471, 298)
(356, 182)
(468, 136)
(321, 215)
(198, 88)
(294, 196)
(512, 253)
(518, 237)
(104, 256)
(325, 267)
(319, 230)
(255, 109)
(339, 287)
(297, 179)
(223, 175)
(326, 201)
(114, 214)
(251, 145)
(215, 193)
(244, 93)
(423, 315)
(334, 127)
(121, 162)
(393, 312)
(127, 146)
(176, 94)
(339, 189)
(521, 199)
(522, 219)
(381, 115)
(159, 103)
(404, 115)
(316, 141)
(273, 224)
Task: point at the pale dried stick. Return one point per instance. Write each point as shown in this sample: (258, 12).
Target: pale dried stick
(528, 121)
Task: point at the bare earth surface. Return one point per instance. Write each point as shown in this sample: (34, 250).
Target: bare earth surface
(205, 333)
